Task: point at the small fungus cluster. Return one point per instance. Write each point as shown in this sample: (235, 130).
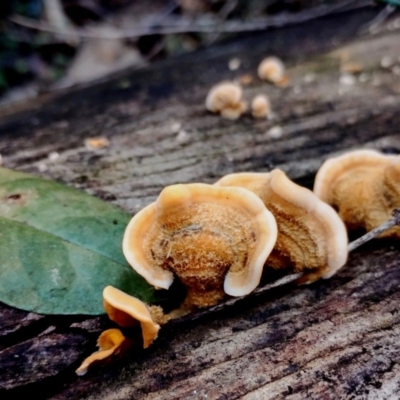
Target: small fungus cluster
(216, 239)
(225, 98)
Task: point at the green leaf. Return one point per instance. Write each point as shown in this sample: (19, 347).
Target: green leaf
(59, 248)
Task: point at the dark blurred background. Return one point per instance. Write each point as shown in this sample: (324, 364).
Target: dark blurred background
(47, 44)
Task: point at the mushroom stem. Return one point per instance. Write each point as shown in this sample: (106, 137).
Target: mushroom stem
(377, 231)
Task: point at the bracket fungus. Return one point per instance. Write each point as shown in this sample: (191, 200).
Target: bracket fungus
(214, 239)
(272, 69)
(128, 311)
(311, 236)
(364, 186)
(261, 107)
(226, 98)
(109, 343)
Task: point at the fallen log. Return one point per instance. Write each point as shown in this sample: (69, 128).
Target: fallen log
(333, 339)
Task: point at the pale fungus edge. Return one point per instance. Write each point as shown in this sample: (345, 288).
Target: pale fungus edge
(173, 196)
(135, 309)
(131, 247)
(333, 168)
(242, 284)
(276, 181)
(109, 343)
(335, 229)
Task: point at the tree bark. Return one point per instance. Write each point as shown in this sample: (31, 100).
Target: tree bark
(336, 338)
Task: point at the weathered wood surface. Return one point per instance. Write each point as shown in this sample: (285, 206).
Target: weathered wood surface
(333, 339)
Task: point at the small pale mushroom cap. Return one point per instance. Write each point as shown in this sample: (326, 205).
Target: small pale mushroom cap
(311, 236)
(272, 69)
(226, 98)
(234, 112)
(109, 343)
(215, 240)
(364, 186)
(127, 311)
(261, 107)
(223, 95)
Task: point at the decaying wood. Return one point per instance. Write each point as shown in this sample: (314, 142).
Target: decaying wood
(334, 339)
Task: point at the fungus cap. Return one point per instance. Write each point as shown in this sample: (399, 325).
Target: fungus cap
(222, 95)
(261, 107)
(213, 239)
(310, 233)
(272, 69)
(234, 112)
(364, 186)
(350, 163)
(127, 310)
(109, 343)
(226, 98)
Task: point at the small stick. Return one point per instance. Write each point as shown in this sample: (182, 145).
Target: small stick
(280, 282)
(377, 231)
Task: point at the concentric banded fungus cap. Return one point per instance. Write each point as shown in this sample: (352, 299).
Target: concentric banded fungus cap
(127, 311)
(364, 186)
(226, 98)
(109, 343)
(215, 240)
(311, 236)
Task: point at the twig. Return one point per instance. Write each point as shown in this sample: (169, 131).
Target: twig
(184, 25)
(377, 231)
(280, 282)
(56, 16)
(227, 8)
(379, 19)
(58, 20)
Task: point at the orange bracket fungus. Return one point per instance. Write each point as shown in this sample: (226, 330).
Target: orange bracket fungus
(109, 343)
(311, 236)
(364, 186)
(226, 98)
(126, 311)
(261, 107)
(272, 69)
(215, 240)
